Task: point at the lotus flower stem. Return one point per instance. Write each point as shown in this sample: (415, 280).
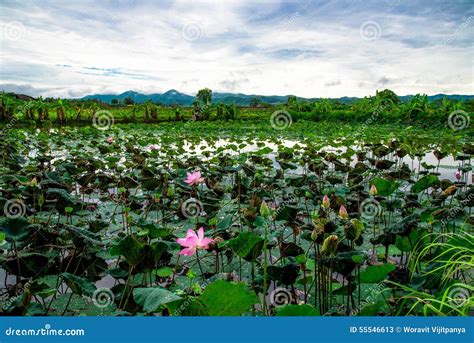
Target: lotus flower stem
(199, 263)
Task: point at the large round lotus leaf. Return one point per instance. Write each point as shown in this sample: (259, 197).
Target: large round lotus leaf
(15, 229)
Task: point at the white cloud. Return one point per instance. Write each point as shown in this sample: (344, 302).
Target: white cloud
(311, 49)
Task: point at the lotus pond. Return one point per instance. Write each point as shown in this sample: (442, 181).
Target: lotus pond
(212, 219)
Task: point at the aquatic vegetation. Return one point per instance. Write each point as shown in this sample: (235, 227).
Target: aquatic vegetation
(202, 219)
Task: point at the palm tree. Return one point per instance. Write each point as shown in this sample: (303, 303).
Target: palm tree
(323, 106)
(8, 105)
(60, 113)
(418, 105)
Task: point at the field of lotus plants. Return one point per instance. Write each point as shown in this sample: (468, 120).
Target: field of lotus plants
(236, 219)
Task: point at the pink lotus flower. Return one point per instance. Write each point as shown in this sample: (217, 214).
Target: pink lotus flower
(343, 212)
(110, 140)
(373, 190)
(192, 242)
(458, 175)
(153, 147)
(326, 202)
(194, 178)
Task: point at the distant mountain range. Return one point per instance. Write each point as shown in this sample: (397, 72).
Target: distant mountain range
(173, 97)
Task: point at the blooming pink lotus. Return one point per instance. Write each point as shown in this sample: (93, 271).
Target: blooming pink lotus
(110, 140)
(153, 147)
(458, 175)
(193, 241)
(194, 178)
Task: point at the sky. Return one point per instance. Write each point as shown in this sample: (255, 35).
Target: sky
(306, 48)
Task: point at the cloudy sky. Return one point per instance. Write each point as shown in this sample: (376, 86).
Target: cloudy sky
(307, 48)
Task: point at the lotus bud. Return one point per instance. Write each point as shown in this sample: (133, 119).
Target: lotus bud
(373, 190)
(458, 175)
(330, 245)
(343, 213)
(264, 210)
(326, 203)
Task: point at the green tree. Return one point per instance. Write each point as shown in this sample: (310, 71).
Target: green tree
(255, 102)
(204, 95)
(387, 95)
(323, 106)
(128, 101)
